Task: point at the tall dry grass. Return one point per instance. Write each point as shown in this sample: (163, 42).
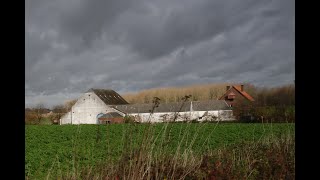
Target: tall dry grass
(174, 94)
(284, 94)
(268, 158)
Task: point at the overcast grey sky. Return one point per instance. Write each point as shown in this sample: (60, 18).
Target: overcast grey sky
(130, 45)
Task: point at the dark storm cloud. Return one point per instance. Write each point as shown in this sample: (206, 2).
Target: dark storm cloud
(90, 19)
(74, 45)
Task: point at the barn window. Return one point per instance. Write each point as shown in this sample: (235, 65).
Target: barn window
(231, 96)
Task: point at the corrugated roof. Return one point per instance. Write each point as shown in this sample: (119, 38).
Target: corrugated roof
(109, 96)
(174, 107)
(209, 105)
(111, 115)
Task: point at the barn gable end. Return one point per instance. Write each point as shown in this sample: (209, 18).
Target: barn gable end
(90, 104)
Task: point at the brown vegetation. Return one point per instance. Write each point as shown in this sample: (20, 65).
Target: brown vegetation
(271, 105)
(277, 96)
(36, 114)
(174, 94)
(30, 117)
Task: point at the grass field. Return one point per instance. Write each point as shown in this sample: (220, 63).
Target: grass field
(62, 150)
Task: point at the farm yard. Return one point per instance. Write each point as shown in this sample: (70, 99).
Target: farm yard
(160, 151)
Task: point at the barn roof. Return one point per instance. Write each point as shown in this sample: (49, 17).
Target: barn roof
(243, 93)
(174, 107)
(108, 96)
(111, 115)
(210, 105)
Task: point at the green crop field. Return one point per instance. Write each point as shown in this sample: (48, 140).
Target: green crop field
(55, 149)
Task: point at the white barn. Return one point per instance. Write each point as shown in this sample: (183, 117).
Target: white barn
(99, 102)
(91, 104)
(212, 110)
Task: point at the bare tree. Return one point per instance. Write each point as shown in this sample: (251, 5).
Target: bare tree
(39, 110)
(212, 93)
(59, 111)
(68, 104)
(29, 116)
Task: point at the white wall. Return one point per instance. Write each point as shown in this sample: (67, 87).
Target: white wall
(89, 105)
(222, 115)
(66, 119)
(86, 109)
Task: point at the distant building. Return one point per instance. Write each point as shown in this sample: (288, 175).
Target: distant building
(102, 106)
(234, 94)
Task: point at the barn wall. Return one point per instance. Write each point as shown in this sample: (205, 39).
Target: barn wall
(86, 109)
(222, 115)
(115, 120)
(66, 119)
(226, 115)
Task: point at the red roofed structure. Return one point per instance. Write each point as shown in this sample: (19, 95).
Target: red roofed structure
(235, 94)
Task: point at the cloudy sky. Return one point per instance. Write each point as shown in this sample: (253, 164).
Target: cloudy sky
(130, 45)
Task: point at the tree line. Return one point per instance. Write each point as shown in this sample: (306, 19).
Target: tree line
(173, 94)
(276, 104)
(39, 113)
(264, 96)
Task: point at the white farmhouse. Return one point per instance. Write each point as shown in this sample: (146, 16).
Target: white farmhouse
(106, 106)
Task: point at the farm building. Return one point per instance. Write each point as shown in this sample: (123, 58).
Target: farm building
(110, 117)
(190, 110)
(101, 106)
(236, 94)
(92, 105)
